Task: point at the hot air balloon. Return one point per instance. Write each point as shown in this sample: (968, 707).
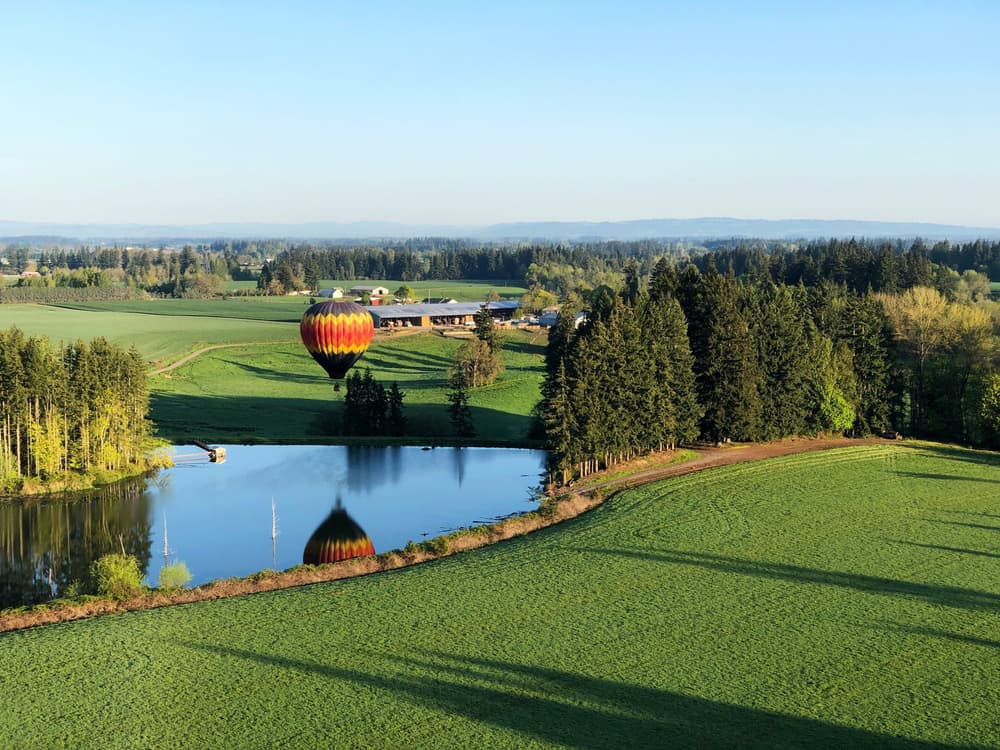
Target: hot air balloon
(338, 538)
(336, 333)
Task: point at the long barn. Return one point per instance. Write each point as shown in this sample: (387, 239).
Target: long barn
(449, 314)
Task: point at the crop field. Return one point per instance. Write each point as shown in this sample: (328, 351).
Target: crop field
(158, 338)
(839, 599)
(277, 393)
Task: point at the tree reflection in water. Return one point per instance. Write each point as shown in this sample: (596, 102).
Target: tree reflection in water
(48, 543)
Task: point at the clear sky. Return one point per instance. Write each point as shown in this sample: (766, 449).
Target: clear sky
(475, 112)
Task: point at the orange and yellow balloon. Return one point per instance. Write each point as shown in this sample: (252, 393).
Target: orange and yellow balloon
(336, 333)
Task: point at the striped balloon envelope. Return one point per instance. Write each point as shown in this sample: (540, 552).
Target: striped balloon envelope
(338, 538)
(336, 333)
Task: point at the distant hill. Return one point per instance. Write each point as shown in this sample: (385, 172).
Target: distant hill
(693, 229)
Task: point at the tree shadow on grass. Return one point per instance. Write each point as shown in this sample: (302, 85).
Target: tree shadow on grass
(563, 708)
(394, 357)
(980, 526)
(951, 477)
(180, 418)
(934, 633)
(962, 550)
(983, 458)
(525, 347)
(271, 373)
(968, 513)
(949, 596)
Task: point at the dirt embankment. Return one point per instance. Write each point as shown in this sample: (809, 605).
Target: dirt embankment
(567, 503)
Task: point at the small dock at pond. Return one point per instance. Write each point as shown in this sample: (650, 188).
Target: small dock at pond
(215, 455)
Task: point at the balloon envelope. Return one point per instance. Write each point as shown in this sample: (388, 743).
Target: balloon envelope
(336, 333)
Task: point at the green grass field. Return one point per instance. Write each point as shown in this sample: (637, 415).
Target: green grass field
(159, 338)
(277, 393)
(277, 309)
(828, 600)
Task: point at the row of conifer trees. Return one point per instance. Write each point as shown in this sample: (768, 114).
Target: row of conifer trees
(709, 356)
(80, 407)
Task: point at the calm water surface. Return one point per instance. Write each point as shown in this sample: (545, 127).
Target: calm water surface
(217, 518)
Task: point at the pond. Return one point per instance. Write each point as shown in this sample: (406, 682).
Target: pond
(219, 518)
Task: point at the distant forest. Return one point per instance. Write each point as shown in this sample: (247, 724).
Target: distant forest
(279, 267)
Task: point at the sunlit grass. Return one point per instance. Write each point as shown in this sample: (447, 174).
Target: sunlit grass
(838, 599)
(157, 337)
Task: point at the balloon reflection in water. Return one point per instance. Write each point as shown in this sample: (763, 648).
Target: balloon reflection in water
(338, 538)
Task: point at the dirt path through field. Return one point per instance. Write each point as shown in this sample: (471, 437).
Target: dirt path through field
(710, 457)
(198, 352)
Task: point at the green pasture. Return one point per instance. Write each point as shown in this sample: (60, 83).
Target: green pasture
(158, 338)
(831, 600)
(277, 309)
(277, 392)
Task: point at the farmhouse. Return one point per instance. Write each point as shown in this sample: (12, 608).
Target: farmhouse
(371, 291)
(335, 293)
(445, 314)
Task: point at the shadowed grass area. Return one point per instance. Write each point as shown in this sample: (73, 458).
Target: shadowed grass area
(762, 605)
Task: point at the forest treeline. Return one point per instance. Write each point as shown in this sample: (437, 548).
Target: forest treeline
(76, 410)
(705, 354)
(560, 268)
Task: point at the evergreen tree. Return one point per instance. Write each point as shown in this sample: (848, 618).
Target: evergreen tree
(486, 331)
(731, 384)
(396, 420)
(458, 405)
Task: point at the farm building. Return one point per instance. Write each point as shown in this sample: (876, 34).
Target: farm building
(445, 314)
(371, 291)
(335, 293)
(548, 319)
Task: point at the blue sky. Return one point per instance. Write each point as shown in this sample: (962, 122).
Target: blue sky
(473, 113)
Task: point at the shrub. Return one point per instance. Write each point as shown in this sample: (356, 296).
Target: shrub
(260, 575)
(117, 576)
(436, 546)
(174, 577)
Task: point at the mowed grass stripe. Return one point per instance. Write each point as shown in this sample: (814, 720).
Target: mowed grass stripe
(857, 607)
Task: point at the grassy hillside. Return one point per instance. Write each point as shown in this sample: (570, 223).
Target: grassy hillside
(839, 599)
(277, 393)
(158, 337)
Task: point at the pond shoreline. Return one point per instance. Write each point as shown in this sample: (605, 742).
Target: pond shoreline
(558, 507)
